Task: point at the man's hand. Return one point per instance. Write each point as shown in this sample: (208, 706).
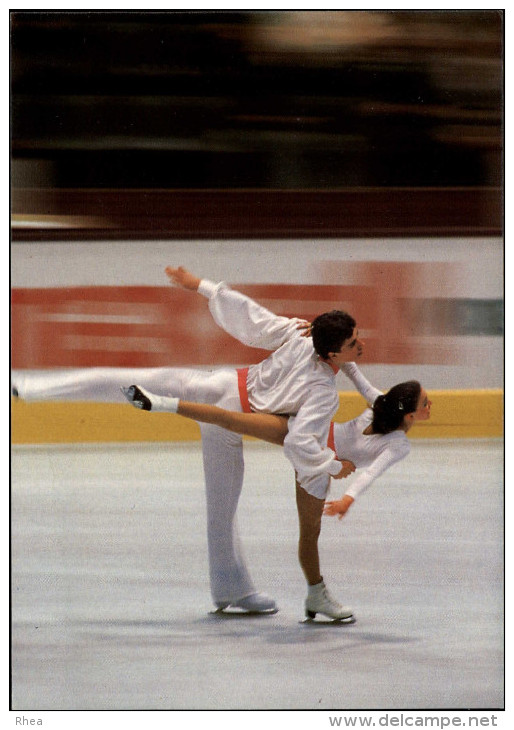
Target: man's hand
(183, 278)
(347, 468)
(339, 507)
(306, 327)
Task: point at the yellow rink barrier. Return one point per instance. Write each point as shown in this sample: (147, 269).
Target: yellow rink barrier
(455, 414)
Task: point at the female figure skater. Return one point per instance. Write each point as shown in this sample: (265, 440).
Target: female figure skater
(297, 377)
(373, 442)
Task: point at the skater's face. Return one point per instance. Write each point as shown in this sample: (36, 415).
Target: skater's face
(422, 412)
(351, 350)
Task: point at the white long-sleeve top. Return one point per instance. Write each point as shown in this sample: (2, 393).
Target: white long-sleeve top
(374, 453)
(292, 380)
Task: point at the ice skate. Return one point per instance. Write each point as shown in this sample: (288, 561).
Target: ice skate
(320, 601)
(141, 398)
(255, 603)
(16, 385)
(137, 397)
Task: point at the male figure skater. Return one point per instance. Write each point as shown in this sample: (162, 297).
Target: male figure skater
(297, 378)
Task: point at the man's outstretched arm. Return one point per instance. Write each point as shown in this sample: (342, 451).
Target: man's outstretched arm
(237, 314)
(183, 278)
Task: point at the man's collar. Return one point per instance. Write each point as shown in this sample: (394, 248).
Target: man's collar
(331, 365)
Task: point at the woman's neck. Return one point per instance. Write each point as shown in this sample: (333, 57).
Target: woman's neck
(368, 431)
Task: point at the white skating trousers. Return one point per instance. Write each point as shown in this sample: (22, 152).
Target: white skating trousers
(222, 450)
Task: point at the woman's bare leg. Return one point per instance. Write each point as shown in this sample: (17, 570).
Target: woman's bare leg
(310, 511)
(264, 426)
(319, 600)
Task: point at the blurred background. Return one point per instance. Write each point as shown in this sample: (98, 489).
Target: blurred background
(257, 99)
(363, 150)
(313, 160)
(284, 100)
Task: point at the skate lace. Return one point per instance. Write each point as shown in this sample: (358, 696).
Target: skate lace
(328, 598)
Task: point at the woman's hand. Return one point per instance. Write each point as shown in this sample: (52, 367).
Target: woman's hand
(338, 507)
(183, 278)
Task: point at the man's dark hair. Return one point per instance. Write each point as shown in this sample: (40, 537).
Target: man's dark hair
(330, 330)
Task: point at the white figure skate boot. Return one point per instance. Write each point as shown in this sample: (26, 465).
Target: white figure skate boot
(141, 398)
(319, 600)
(254, 603)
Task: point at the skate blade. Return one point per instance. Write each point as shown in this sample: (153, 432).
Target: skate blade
(329, 621)
(129, 395)
(229, 613)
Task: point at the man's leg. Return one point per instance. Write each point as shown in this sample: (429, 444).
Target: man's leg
(223, 459)
(231, 583)
(96, 384)
(224, 471)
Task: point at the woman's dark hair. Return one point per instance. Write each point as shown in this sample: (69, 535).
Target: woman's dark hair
(390, 409)
(330, 330)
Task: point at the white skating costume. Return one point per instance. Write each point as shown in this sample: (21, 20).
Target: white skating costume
(374, 453)
(292, 380)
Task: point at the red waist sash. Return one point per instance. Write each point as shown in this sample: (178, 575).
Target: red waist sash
(242, 375)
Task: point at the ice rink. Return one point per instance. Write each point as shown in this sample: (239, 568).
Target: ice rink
(110, 596)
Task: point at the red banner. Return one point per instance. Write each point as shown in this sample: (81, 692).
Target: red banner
(163, 326)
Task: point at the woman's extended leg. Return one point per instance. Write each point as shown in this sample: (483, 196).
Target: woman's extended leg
(264, 426)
